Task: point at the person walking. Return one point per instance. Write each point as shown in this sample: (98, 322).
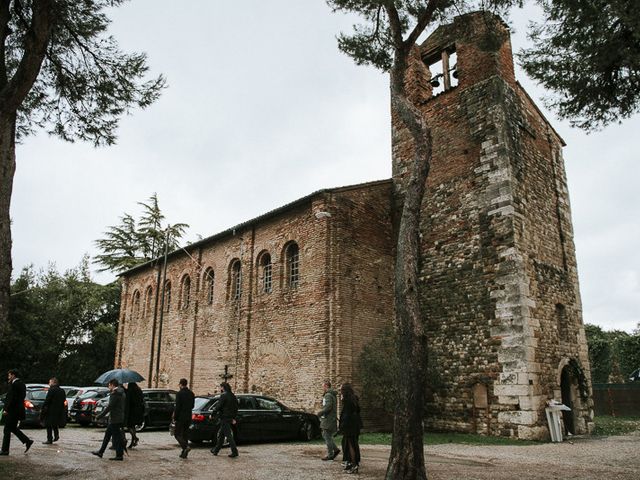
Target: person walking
(328, 419)
(14, 412)
(54, 411)
(182, 416)
(134, 412)
(227, 409)
(115, 409)
(350, 425)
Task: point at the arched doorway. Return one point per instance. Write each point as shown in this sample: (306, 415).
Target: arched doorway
(568, 390)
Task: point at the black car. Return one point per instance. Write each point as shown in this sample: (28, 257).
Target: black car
(82, 409)
(33, 401)
(259, 418)
(158, 408)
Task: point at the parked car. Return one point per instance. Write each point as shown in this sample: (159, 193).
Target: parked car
(158, 408)
(33, 401)
(72, 393)
(259, 418)
(83, 405)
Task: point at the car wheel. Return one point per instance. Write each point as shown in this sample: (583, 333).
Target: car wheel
(144, 423)
(84, 424)
(307, 432)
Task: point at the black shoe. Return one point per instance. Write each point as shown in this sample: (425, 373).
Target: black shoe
(233, 455)
(48, 442)
(117, 458)
(28, 445)
(214, 452)
(347, 466)
(324, 459)
(4, 453)
(56, 439)
(336, 453)
(353, 469)
(97, 453)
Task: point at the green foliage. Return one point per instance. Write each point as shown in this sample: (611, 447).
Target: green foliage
(134, 242)
(377, 368)
(85, 83)
(56, 319)
(613, 355)
(588, 53)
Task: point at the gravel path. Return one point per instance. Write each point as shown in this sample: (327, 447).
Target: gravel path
(157, 457)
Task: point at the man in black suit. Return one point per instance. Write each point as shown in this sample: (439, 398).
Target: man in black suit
(14, 412)
(54, 411)
(227, 410)
(182, 416)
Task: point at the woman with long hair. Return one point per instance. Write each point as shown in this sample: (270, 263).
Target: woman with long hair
(350, 425)
(134, 412)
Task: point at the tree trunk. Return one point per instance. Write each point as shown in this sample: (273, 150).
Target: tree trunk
(7, 170)
(407, 451)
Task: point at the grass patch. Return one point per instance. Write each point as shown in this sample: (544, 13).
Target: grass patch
(433, 438)
(607, 425)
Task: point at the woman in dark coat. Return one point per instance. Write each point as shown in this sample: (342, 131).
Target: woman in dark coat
(350, 425)
(54, 411)
(134, 411)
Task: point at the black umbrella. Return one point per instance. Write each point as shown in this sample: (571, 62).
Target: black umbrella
(123, 375)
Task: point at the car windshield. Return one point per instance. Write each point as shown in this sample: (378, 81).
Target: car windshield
(72, 392)
(37, 394)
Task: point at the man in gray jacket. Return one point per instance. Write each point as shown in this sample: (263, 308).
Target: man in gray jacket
(328, 419)
(115, 409)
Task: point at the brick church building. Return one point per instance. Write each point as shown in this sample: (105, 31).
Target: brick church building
(290, 298)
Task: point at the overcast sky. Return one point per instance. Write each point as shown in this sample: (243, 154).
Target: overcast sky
(261, 109)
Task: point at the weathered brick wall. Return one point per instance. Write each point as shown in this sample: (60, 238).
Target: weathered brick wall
(285, 342)
(496, 201)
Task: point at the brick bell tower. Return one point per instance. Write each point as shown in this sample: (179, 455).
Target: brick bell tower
(499, 277)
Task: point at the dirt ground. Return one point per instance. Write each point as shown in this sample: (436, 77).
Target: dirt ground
(157, 457)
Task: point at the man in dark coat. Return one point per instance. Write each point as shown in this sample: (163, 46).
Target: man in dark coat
(14, 412)
(115, 409)
(227, 409)
(182, 416)
(54, 411)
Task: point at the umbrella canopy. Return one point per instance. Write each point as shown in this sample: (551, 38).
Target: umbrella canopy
(123, 375)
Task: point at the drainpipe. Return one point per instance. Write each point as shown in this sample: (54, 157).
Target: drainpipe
(164, 281)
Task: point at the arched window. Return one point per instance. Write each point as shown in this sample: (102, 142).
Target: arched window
(147, 301)
(292, 262)
(235, 280)
(135, 307)
(185, 292)
(208, 278)
(167, 296)
(265, 273)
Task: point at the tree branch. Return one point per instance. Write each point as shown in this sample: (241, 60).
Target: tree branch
(394, 24)
(5, 15)
(36, 40)
(423, 21)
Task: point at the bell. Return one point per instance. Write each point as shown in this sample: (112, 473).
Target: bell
(455, 74)
(435, 83)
